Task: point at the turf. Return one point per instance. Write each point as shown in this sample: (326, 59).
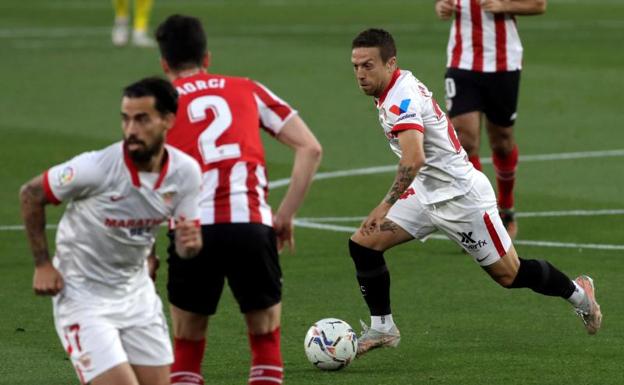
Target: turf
(61, 81)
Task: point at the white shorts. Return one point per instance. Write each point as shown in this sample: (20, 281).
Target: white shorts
(100, 334)
(471, 220)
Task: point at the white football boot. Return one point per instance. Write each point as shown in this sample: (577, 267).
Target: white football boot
(372, 339)
(589, 311)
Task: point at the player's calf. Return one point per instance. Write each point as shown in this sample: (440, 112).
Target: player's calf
(267, 367)
(186, 368)
(542, 277)
(373, 277)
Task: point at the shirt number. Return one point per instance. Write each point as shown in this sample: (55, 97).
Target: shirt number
(222, 121)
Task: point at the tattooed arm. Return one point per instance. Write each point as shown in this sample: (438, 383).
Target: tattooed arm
(412, 159)
(47, 280)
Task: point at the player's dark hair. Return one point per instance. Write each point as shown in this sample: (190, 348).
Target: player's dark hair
(376, 37)
(182, 41)
(164, 93)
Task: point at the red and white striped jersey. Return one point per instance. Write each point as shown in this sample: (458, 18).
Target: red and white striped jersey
(483, 41)
(218, 123)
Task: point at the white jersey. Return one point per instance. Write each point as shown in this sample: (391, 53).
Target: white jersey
(113, 215)
(407, 104)
(483, 41)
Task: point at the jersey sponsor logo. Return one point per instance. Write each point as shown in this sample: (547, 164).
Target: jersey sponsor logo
(406, 116)
(402, 108)
(469, 243)
(133, 222)
(66, 175)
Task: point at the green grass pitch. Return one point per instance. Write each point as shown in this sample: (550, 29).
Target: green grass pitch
(60, 83)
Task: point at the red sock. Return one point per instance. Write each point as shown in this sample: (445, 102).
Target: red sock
(186, 367)
(266, 359)
(505, 167)
(476, 161)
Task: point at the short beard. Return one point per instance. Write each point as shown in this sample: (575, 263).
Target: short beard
(145, 155)
(373, 92)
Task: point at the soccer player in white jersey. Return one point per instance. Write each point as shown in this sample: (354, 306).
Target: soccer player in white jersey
(106, 310)
(482, 79)
(435, 188)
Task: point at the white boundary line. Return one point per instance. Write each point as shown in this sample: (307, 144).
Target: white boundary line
(391, 168)
(559, 245)
(322, 220)
(313, 222)
(535, 214)
(41, 32)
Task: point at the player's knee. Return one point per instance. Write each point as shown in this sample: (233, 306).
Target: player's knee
(363, 241)
(365, 258)
(267, 325)
(502, 143)
(506, 280)
(502, 148)
(189, 326)
(264, 321)
(470, 143)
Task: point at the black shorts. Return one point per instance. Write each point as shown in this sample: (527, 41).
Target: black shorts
(493, 93)
(244, 253)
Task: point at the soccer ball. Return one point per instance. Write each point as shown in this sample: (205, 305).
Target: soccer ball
(330, 344)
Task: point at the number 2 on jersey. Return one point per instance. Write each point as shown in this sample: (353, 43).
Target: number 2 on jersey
(207, 141)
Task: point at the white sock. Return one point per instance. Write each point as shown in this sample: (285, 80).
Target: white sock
(578, 298)
(382, 323)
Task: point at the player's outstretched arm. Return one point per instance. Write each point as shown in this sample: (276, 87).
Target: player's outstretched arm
(516, 7)
(412, 159)
(308, 152)
(46, 280)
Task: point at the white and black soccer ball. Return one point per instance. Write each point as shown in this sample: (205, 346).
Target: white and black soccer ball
(330, 344)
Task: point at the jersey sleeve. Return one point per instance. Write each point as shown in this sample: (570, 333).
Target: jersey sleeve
(273, 111)
(76, 178)
(188, 205)
(406, 113)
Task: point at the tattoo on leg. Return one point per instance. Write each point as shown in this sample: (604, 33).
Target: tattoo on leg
(389, 226)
